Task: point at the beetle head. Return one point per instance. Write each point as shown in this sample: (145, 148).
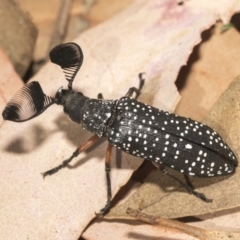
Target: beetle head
(72, 102)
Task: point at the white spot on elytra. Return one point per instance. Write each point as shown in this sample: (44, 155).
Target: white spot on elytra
(188, 146)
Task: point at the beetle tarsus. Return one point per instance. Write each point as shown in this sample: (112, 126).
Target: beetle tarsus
(56, 169)
(105, 209)
(188, 185)
(201, 196)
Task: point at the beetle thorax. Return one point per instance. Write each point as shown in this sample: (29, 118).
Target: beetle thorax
(97, 114)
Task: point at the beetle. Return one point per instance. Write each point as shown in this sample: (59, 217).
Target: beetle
(164, 138)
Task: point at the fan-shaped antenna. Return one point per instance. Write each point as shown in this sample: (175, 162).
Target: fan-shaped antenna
(69, 57)
(27, 103)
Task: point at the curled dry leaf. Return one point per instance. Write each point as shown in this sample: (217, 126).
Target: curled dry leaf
(155, 37)
(211, 68)
(196, 232)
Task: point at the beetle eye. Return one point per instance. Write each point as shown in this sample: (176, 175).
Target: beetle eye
(27, 103)
(59, 92)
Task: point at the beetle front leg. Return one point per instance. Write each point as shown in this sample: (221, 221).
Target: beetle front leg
(108, 157)
(80, 149)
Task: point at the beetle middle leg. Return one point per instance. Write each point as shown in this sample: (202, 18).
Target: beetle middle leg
(136, 90)
(80, 149)
(108, 158)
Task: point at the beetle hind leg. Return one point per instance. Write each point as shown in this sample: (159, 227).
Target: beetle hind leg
(187, 185)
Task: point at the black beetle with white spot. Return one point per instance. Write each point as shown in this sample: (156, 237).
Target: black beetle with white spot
(166, 139)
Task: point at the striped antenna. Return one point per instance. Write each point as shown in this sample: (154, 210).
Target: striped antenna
(27, 103)
(69, 57)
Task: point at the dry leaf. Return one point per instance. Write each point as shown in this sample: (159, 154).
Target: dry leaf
(10, 81)
(210, 69)
(196, 232)
(147, 37)
(82, 15)
(131, 229)
(45, 16)
(18, 35)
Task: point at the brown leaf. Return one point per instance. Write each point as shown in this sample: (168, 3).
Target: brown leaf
(210, 69)
(147, 37)
(10, 81)
(196, 232)
(18, 35)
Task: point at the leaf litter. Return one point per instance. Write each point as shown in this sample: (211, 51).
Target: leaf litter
(61, 206)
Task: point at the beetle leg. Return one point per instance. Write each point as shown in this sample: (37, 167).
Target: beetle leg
(80, 149)
(187, 186)
(188, 182)
(100, 96)
(108, 156)
(136, 90)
